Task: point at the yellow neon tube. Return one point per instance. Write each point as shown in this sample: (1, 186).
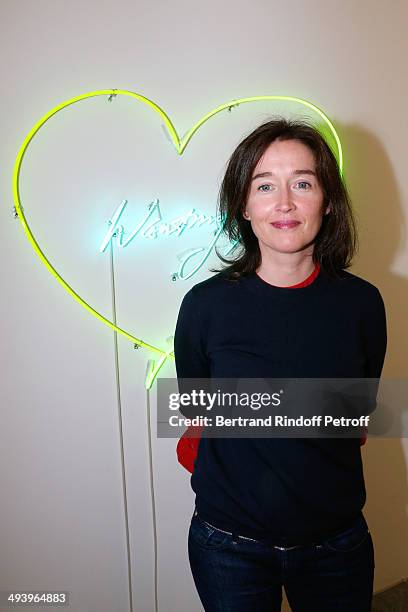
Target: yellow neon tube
(180, 145)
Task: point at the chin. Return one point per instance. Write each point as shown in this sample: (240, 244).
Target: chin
(287, 244)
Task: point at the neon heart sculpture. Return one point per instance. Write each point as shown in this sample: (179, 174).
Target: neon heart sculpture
(180, 145)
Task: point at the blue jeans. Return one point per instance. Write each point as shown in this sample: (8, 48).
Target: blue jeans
(233, 573)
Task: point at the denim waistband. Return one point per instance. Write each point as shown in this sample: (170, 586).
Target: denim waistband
(289, 545)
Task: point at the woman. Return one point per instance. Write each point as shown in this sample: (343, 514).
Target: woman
(282, 511)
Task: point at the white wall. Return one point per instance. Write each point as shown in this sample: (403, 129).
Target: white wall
(62, 524)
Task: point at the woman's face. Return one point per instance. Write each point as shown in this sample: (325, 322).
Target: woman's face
(288, 191)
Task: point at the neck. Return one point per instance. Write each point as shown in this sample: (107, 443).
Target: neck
(288, 271)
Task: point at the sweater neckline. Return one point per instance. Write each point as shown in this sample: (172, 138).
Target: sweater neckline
(312, 283)
(303, 283)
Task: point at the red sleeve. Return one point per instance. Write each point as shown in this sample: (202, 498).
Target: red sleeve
(187, 447)
(363, 438)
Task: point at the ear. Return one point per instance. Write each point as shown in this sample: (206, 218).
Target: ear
(328, 209)
(245, 215)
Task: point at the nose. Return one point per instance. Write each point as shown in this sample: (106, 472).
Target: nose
(285, 201)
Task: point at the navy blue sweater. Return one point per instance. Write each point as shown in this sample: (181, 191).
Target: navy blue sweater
(280, 490)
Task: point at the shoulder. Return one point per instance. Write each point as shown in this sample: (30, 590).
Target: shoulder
(212, 288)
(350, 281)
(356, 286)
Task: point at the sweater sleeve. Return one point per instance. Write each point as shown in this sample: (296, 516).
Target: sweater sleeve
(375, 335)
(189, 348)
(375, 342)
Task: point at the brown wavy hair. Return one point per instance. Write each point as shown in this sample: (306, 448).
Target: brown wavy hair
(335, 244)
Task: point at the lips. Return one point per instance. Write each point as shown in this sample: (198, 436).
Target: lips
(285, 224)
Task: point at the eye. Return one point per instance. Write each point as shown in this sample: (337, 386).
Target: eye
(304, 183)
(260, 187)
